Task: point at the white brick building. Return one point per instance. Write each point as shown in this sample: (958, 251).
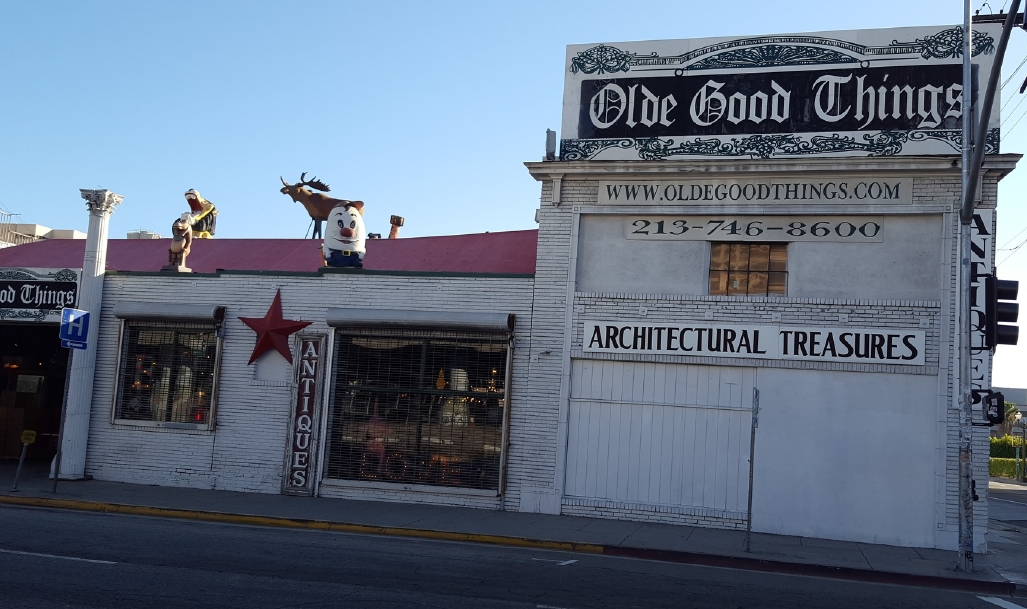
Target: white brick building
(682, 276)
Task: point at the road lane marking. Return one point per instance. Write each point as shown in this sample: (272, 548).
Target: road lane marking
(998, 602)
(101, 562)
(1006, 500)
(559, 563)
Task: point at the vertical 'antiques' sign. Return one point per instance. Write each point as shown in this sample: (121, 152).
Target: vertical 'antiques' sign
(300, 454)
(982, 266)
(876, 92)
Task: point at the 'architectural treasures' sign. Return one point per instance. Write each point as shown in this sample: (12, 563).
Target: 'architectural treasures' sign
(864, 93)
(813, 344)
(36, 294)
(299, 461)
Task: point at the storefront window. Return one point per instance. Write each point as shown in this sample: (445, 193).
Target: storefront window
(167, 372)
(748, 269)
(418, 407)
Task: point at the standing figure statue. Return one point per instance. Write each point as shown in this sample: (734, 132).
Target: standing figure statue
(181, 243)
(204, 214)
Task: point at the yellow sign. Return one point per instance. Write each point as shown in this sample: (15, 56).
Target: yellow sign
(28, 436)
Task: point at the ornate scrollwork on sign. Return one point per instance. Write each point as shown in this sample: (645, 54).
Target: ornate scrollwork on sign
(100, 201)
(949, 43)
(63, 275)
(602, 60)
(954, 138)
(884, 143)
(582, 150)
(772, 55)
(768, 51)
(20, 274)
(34, 315)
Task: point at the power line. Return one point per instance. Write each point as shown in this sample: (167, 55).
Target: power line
(1006, 81)
(1014, 251)
(1003, 248)
(1006, 134)
(1016, 106)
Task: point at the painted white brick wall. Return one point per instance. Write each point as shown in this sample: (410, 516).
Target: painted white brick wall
(932, 194)
(246, 451)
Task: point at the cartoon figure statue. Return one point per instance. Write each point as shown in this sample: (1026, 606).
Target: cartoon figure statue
(345, 235)
(180, 244)
(204, 214)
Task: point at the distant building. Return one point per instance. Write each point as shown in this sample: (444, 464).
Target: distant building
(143, 234)
(16, 234)
(1016, 396)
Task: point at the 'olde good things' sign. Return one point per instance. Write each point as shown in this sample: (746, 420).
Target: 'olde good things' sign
(299, 462)
(880, 92)
(855, 345)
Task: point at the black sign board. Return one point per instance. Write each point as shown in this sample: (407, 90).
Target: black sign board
(38, 295)
(893, 98)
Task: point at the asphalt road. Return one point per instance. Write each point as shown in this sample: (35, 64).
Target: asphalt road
(52, 558)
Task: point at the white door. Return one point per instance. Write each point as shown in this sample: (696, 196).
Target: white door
(660, 434)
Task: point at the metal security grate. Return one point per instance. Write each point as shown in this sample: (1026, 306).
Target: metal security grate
(167, 372)
(418, 407)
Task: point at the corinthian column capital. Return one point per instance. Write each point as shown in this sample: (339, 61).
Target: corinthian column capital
(100, 201)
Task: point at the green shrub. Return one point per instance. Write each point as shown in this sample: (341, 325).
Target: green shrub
(1002, 468)
(1005, 447)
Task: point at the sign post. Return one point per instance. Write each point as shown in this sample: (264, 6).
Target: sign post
(27, 437)
(73, 334)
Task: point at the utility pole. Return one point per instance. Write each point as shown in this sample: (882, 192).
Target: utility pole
(973, 158)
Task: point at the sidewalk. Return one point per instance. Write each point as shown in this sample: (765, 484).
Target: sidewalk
(1003, 571)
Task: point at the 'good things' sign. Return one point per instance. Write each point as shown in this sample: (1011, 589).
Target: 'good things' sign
(858, 345)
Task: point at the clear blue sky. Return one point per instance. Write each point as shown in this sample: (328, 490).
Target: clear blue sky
(422, 109)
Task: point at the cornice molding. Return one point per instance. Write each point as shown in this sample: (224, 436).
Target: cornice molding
(545, 171)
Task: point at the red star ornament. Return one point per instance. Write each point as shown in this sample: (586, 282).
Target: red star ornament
(273, 331)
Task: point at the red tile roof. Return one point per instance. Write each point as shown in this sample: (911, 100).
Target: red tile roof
(504, 252)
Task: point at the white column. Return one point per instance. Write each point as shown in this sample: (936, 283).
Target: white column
(101, 204)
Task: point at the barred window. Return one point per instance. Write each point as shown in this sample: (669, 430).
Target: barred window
(167, 372)
(418, 407)
(748, 269)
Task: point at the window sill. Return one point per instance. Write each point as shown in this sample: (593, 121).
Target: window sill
(398, 486)
(260, 383)
(203, 429)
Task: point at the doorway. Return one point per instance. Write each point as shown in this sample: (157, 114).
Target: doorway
(33, 369)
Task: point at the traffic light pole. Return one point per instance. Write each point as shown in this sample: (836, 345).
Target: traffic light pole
(973, 157)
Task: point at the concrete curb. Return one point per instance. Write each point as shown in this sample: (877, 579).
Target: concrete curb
(1004, 588)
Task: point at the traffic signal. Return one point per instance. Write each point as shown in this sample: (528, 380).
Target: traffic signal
(994, 408)
(998, 297)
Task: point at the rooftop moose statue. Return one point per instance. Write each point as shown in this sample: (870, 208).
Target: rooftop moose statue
(319, 206)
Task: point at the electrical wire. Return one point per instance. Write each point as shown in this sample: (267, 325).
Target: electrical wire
(1006, 81)
(1010, 114)
(1006, 134)
(1013, 251)
(1003, 248)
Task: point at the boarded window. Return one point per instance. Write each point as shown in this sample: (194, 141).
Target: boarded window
(748, 269)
